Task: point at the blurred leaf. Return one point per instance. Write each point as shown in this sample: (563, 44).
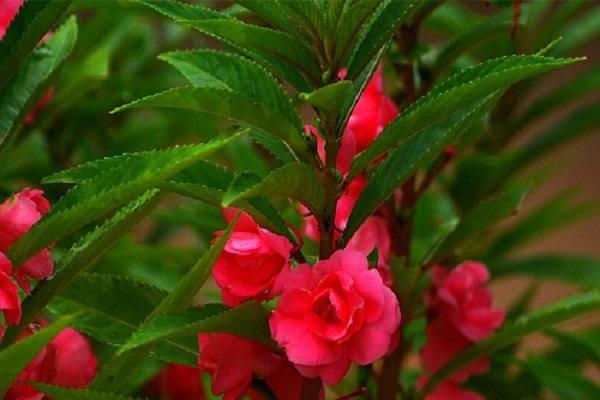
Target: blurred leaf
(582, 343)
(249, 320)
(576, 269)
(297, 181)
(83, 255)
(563, 380)
(60, 393)
(108, 190)
(23, 89)
(16, 357)
(457, 92)
(540, 319)
(34, 20)
(484, 215)
(413, 152)
(580, 31)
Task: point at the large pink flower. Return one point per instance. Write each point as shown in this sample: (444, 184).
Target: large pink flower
(67, 361)
(334, 313)
(10, 303)
(250, 262)
(233, 362)
(177, 382)
(8, 10)
(462, 297)
(17, 215)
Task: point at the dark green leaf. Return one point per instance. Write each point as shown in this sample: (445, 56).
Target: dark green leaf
(563, 380)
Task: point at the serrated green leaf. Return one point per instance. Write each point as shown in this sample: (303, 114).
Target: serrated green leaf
(576, 269)
(34, 20)
(16, 357)
(330, 97)
(248, 320)
(26, 85)
(297, 181)
(83, 255)
(227, 104)
(274, 145)
(271, 12)
(378, 32)
(349, 25)
(550, 315)
(484, 215)
(457, 92)
(107, 191)
(412, 153)
(178, 10)
(60, 393)
(210, 68)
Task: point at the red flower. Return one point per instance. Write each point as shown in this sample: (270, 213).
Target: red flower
(334, 313)
(177, 382)
(67, 361)
(8, 10)
(451, 391)
(250, 262)
(233, 362)
(10, 303)
(17, 215)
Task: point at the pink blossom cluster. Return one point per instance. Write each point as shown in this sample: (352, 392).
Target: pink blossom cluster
(461, 314)
(68, 359)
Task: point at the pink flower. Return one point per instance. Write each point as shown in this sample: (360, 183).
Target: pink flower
(8, 10)
(67, 361)
(373, 111)
(334, 313)
(17, 215)
(444, 342)
(10, 302)
(462, 297)
(250, 262)
(233, 362)
(177, 382)
(451, 391)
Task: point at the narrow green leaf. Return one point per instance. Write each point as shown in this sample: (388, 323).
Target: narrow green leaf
(457, 92)
(560, 311)
(248, 320)
(34, 20)
(579, 32)
(484, 215)
(297, 181)
(563, 380)
(31, 78)
(577, 269)
(60, 393)
(16, 357)
(178, 10)
(349, 25)
(378, 32)
(227, 104)
(107, 191)
(412, 153)
(210, 68)
(330, 97)
(271, 12)
(83, 255)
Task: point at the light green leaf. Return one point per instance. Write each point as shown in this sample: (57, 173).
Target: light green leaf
(34, 20)
(60, 393)
(413, 153)
(248, 320)
(578, 269)
(27, 84)
(297, 181)
(108, 190)
(16, 357)
(330, 97)
(83, 255)
(210, 68)
(457, 92)
(484, 215)
(545, 317)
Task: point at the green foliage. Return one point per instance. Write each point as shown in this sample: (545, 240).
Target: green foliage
(59, 393)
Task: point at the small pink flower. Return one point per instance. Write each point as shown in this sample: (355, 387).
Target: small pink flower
(67, 361)
(250, 262)
(233, 362)
(17, 215)
(10, 302)
(334, 313)
(451, 391)
(8, 11)
(462, 297)
(177, 382)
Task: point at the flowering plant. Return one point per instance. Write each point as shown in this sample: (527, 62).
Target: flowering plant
(305, 205)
